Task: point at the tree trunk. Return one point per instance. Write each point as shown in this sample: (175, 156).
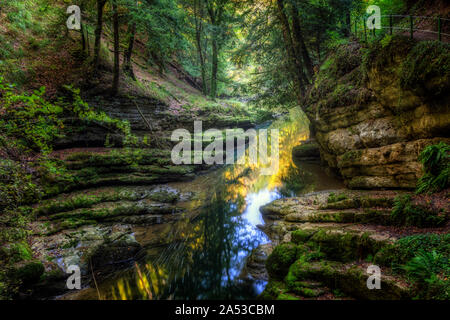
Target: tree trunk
(98, 32)
(295, 68)
(348, 23)
(83, 39)
(198, 15)
(318, 39)
(214, 69)
(127, 65)
(115, 86)
(300, 43)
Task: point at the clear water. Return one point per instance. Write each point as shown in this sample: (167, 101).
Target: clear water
(208, 247)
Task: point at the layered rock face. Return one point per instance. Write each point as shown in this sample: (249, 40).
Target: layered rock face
(375, 109)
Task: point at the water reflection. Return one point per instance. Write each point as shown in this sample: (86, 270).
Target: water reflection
(206, 254)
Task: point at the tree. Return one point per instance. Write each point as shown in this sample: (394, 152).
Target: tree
(127, 65)
(299, 44)
(215, 11)
(116, 72)
(198, 19)
(98, 32)
(295, 65)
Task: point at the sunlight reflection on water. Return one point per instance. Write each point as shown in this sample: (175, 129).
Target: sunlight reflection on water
(206, 255)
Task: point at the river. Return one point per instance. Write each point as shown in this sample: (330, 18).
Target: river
(205, 251)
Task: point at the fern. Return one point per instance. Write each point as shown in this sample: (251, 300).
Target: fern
(435, 160)
(425, 264)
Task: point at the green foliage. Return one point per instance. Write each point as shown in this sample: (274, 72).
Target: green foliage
(426, 69)
(406, 248)
(430, 271)
(30, 273)
(389, 6)
(424, 260)
(436, 165)
(405, 213)
(425, 264)
(383, 54)
(29, 118)
(16, 185)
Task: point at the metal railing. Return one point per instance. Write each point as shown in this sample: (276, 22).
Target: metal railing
(406, 24)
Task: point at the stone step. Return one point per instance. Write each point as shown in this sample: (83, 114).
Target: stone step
(90, 197)
(106, 210)
(342, 216)
(129, 212)
(342, 242)
(133, 179)
(329, 200)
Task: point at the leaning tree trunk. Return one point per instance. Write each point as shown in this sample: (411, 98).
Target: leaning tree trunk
(98, 32)
(115, 86)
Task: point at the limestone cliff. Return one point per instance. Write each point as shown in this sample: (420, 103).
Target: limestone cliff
(375, 108)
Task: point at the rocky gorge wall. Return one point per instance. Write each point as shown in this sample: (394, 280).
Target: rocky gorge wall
(375, 108)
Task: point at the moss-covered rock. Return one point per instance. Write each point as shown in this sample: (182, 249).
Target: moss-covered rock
(347, 245)
(375, 109)
(350, 279)
(280, 259)
(29, 273)
(301, 236)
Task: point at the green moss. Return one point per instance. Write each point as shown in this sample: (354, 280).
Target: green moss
(16, 252)
(381, 55)
(287, 296)
(280, 259)
(273, 289)
(335, 198)
(351, 156)
(300, 236)
(346, 246)
(29, 273)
